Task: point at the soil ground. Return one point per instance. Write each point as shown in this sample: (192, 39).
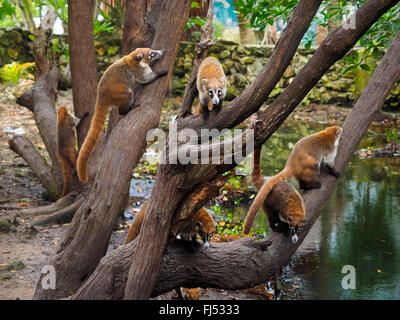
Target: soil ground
(25, 249)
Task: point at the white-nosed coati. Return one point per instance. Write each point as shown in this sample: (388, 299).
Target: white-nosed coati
(66, 150)
(284, 206)
(115, 89)
(211, 84)
(304, 163)
(202, 223)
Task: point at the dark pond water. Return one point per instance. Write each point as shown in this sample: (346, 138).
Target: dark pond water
(360, 226)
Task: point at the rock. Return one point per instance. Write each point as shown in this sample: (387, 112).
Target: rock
(225, 54)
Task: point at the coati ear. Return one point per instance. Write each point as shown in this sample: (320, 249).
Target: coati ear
(205, 81)
(139, 56)
(223, 80)
(199, 224)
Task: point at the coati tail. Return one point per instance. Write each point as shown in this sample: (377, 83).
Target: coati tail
(136, 225)
(67, 176)
(266, 188)
(256, 177)
(96, 126)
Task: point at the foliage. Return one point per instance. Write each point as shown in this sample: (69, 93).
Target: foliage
(379, 36)
(393, 136)
(13, 72)
(100, 27)
(6, 9)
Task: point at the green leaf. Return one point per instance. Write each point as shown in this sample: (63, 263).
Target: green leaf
(365, 67)
(195, 5)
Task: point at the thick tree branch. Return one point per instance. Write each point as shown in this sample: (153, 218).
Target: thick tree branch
(23, 147)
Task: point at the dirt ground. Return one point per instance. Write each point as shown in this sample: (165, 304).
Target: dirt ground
(25, 249)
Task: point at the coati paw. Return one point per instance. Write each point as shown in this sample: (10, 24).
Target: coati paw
(335, 173)
(162, 73)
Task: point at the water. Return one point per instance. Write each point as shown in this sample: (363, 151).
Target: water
(360, 226)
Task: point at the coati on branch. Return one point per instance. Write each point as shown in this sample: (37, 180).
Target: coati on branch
(304, 163)
(284, 206)
(211, 84)
(66, 150)
(202, 223)
(115, 89)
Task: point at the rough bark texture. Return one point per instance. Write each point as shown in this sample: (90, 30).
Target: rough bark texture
(93, 222)
(22, 146)
(249, 261)
(83, 61)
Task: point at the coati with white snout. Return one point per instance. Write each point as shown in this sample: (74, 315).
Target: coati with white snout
(202, 223)
(284, 206)
(66, 141)
(211, 85)
(304, 163)
(115, 89)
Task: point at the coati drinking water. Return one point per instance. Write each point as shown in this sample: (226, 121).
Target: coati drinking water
(284, 206)
(304, 162)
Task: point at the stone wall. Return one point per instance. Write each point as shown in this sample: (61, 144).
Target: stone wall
(241, 64)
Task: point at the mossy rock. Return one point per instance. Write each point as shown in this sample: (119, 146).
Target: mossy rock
(225, 54)
(12, 53)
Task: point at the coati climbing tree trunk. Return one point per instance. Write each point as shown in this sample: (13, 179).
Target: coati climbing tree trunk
(247, 261)
(93, 222)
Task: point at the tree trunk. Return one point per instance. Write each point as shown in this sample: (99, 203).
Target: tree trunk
(93, 222)
(83, 61)
(246, 262)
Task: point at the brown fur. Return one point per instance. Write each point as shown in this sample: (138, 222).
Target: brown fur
(115, 89)
(188, 293)
(201, 223)
(304, 162)
(66, 147)
(210, 77)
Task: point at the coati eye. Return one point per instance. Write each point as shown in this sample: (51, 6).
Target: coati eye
(219, 92)
(210, 92)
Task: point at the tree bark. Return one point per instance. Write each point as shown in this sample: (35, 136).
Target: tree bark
(246, 262)
(83, 61)
(22, 146)
(93, 222)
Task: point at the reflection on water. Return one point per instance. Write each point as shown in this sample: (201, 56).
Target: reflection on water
(358, 227)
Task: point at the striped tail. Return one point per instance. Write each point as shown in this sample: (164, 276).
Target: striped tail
(284, 175)
(93, 136)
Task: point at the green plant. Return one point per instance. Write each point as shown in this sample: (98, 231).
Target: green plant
(13, 72)
(393, 136)
(100, 27)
